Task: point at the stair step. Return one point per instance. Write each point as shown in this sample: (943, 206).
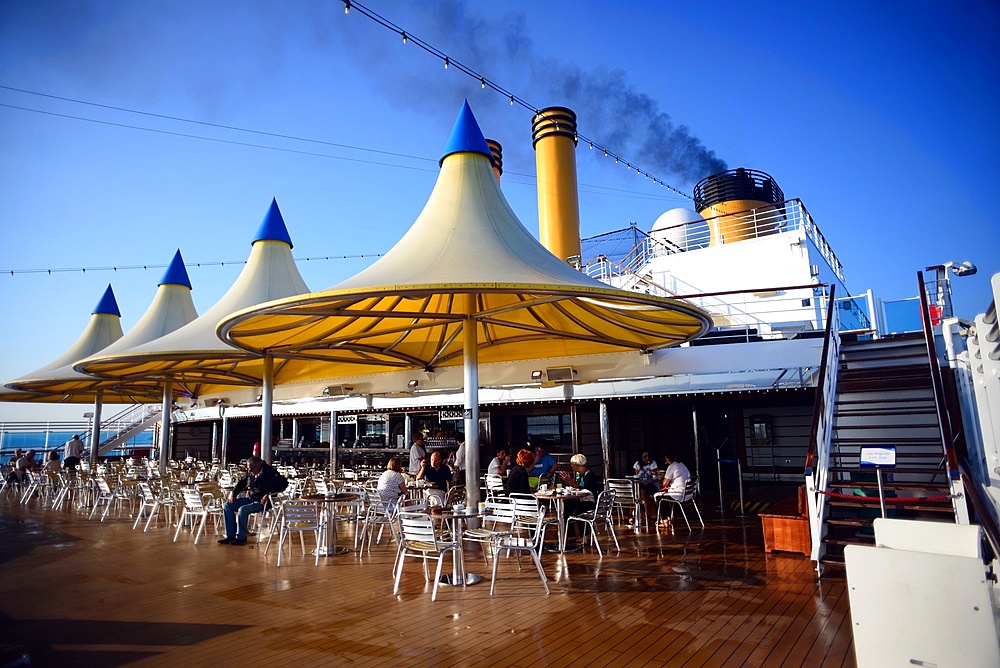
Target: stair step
(873, 502)
(909, 486)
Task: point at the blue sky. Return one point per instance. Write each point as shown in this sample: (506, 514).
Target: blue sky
(881, 118)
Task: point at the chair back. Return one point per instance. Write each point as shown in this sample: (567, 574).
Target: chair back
(622, 489)
(494, 485)
(455, 495)
(690, 489)
(500, 510)
(301, 515)
(417, 528)
(605, 505)
(192, 500)
(147, 493)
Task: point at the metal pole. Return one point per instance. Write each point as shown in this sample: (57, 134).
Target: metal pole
(95, 434)
(718, 465)
(225, 440)
(266, 396)
(165, 413)
(881, 491)
(333, 443)
(739, 472)
(605, 437)
(471, 412)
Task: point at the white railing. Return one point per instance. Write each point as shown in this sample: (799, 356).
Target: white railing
(818, 479)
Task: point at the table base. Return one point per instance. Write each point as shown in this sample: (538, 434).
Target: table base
(330, 551)
(470, 579)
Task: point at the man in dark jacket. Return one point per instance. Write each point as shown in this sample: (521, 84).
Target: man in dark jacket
(260, 482)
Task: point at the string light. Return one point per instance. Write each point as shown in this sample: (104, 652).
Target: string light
(448, 61)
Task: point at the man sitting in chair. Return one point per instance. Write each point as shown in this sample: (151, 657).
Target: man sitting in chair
(261, 481)
(439, 475)
(675, 480)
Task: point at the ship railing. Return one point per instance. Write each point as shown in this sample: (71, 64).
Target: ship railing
(817, 469)
(632, 249)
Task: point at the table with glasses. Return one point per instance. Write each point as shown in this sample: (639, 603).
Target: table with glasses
(558, 498)
(328, 541)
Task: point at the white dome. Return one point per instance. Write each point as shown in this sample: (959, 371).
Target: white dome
(674, 230)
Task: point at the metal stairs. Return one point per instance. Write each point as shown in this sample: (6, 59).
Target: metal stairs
(127, 424)
(884, 396)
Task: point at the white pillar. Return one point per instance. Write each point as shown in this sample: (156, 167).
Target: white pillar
(266, 397)
(471, 411)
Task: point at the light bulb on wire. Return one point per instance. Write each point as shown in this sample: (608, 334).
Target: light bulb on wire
(347, 6)
(446, 61)
(404, 37)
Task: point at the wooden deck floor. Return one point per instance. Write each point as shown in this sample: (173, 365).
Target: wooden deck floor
(83, 593)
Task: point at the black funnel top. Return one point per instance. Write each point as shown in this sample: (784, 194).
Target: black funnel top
(735, 184)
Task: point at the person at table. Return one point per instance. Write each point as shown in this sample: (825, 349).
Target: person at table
(500, 464)
(52, 462)
(675, 480)
(15, 476)
(261, 481)
(438, 474)
(645, 467)
(72, 451)
(418, 455)
(545, 464)
(392, 484)
(25, 464)
(582, 478)
(460, 459)
(517, 479)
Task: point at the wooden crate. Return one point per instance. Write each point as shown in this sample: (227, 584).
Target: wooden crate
(786, 533)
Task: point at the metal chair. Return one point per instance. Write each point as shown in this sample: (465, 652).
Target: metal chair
(514, 542)
(626, 500)
(420, 541)
(499, 510)
(601, 514)
(378, 515)
(690, 492)
(195, 507)
(300, 516)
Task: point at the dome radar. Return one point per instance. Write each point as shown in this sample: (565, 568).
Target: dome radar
(679, 230)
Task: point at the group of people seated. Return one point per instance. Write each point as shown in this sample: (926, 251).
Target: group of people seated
(672, 483)
(23, 462)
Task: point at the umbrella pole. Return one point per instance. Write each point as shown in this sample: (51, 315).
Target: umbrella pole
(267, 394)
(95, 434)
(168, 402)
(471, 412)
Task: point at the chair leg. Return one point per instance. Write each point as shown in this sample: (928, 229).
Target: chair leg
(496, 561)
(684, 515)
(541, 571)
(201, 527)
(611, 530)
(437, 575)
(693, 503)
(180, 525)
(593, 535)
(399, 570)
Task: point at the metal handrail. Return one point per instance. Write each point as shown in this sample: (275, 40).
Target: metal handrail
(944, 420)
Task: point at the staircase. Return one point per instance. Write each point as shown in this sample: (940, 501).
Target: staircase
(130, 422)
(884, 396)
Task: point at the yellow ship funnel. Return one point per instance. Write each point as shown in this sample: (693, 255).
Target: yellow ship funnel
(496, 153)
(738, 204)
(553, 134)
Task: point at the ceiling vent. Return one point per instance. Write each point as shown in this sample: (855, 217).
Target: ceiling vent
(560, 374)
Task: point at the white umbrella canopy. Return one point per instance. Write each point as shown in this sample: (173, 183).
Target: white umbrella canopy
(192, 356)
(171, 308)
(466, 284)
(58, 382)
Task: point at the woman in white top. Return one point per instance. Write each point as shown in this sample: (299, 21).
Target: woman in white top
(675, 478)
(392, 484)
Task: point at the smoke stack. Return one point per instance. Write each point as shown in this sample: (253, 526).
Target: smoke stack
(497, 157)
(724, 200)
(553, 135)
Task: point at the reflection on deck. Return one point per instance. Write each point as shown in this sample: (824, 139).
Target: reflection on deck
(78, 592)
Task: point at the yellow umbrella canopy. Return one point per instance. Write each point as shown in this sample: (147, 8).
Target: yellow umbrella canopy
(467, 261)
(192, 355)
(171, 308)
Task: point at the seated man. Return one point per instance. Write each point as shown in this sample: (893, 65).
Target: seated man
(439, 475)
(260, 482)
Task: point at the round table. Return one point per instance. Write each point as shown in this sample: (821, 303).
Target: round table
(328, 546)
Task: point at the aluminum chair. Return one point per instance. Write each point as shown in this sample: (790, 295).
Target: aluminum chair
(626, 500)
(690, 492)
(378, 516)
(499, 511)
(420, 541)
(601, 514)
(514, 542)
(195, 507)
(300, 516)
(494, 486)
